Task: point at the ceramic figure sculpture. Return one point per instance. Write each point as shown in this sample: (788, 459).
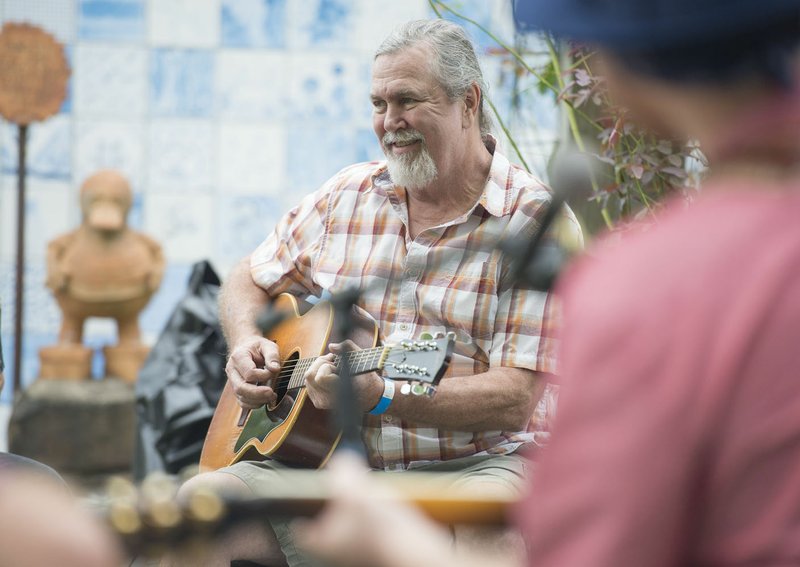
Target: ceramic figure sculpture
(101, 269)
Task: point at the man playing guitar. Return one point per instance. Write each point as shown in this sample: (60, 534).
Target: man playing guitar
(418, 235)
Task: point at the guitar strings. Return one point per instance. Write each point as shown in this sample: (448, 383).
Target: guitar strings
(357, 358)
(286, 373)
(361, 356)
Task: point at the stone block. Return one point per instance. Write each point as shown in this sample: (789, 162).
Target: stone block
(79, 428)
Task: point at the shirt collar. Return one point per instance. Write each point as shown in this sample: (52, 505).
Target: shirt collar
(499, 192)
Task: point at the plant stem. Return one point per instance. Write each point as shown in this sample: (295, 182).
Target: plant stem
(573, 124)
(497, 40)
(508, 135)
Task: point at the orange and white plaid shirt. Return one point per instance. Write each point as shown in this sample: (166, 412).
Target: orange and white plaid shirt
(353, 232)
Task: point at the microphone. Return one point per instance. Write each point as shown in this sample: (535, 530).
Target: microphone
(535, 264)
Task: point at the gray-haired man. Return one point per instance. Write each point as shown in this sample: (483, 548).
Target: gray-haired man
(418, 235)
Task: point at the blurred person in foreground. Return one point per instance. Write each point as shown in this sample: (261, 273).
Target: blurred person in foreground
(41, 522)
(43, 525)
(678, 435)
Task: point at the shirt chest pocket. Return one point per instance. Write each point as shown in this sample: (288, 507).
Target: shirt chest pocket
(463, 300)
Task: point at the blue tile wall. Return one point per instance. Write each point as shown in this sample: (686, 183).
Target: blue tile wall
(334, 149)
(322, 24)
(245, 221)
(111, 20)
(182, 83)
(254, 23)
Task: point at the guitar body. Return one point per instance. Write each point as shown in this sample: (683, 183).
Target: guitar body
(292, 431)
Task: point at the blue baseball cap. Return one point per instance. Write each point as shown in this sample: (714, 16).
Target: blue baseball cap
(649, 24)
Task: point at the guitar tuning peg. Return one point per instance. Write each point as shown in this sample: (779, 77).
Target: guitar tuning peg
(165, 515)
(158, 486)
(119, 488)
(439, 335)
(451, 336)
(405, 389)
(206, 506)
(158, 495)
(426, 336)
(122, 508)
(125, 518)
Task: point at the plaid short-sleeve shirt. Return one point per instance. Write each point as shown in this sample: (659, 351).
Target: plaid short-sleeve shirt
(354, 232)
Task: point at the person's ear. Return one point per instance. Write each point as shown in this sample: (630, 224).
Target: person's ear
(472, 104)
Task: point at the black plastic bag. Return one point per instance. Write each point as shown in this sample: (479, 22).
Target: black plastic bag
(181, 381)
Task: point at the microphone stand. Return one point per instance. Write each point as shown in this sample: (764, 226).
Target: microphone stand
(347, 417)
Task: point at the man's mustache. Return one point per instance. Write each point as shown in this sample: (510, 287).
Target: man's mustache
(402, 136)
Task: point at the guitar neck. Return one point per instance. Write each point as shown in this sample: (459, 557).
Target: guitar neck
(160, 523)
(359, 362)
(307, 494)
(363, 361)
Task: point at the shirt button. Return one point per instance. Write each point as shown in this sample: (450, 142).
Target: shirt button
(387, 418)
(403, 327)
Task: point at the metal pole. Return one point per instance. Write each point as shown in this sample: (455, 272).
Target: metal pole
(20, 280)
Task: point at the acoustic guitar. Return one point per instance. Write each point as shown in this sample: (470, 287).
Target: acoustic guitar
(292, 430)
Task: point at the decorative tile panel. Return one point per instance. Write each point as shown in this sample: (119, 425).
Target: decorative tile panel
(106, 144)
(56, 17)
(251, 85)
(254, 23)
(110, 82)
(182, 83)
(184, 23)
(50, 210)
(334, 149)
(245, 221)
(185, 225)
(48, 152)
(321, 24)
(181, 156)
(111, 20)
(253, 158)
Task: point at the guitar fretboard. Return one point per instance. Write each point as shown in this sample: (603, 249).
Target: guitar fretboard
(359, 362)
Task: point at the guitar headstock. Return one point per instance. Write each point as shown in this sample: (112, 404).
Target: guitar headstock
(421, 363)
(150, 520)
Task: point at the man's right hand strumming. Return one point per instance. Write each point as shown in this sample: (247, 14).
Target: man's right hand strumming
(252, 368)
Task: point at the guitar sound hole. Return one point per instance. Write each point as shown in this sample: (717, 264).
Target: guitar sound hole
(282, 383)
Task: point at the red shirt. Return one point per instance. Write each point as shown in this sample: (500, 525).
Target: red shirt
(677, 440)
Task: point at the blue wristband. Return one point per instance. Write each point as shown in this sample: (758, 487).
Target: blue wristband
(386, 398)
